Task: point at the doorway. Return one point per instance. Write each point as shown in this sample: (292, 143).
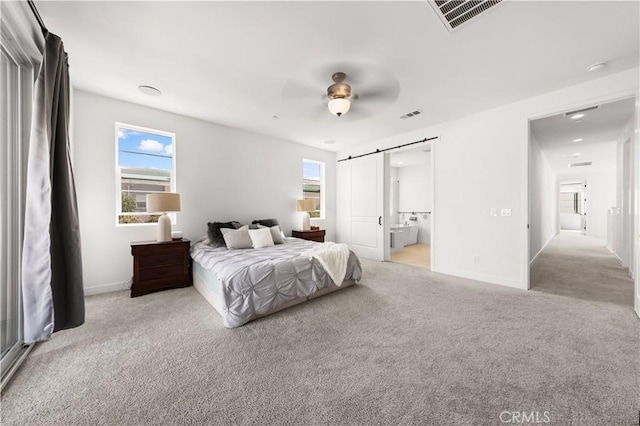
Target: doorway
(573, 207)
(578, 192)
(410, 206)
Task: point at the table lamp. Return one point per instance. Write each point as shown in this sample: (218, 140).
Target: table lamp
(163, 202)
(305, 206)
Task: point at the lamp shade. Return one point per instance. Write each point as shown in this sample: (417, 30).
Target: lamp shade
(163, 202)
(339, 106)
(305, 205)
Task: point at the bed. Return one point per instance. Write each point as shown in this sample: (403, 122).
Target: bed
(246, 284)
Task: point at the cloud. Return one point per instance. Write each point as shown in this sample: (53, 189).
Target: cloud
(122, 134)
(149, 145)
(169, 149)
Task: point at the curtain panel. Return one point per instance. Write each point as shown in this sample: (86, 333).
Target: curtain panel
(52, 284)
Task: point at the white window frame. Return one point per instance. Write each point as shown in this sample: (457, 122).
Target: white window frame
(323, 186)
(118, 180)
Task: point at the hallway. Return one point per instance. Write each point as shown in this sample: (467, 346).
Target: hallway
(581, 267)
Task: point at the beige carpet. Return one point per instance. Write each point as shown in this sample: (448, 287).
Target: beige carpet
(415, 254)
(581, 267)
(407, 346)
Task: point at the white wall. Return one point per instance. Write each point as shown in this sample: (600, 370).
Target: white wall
(487, 155)
(543, 207)
(222, 174)
(623, 221)
(415, 196)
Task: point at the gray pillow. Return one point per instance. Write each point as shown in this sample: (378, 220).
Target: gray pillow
(276, 233)
(214, 233)
(237, 238)
(266, 222)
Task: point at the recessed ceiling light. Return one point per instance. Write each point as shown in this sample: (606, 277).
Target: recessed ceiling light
(578, 140)
(577, 116)
(148, 90)
(330, 142)
(576, 154)
(596, 67)
(275, 116)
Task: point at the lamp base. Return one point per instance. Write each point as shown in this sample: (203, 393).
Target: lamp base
(164, 228)
(306, 221)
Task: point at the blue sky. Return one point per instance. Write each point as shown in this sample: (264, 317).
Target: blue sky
(311, 171)
(146, 150)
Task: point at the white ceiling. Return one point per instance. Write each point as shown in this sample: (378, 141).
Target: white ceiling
(241, 63)
(599, 130)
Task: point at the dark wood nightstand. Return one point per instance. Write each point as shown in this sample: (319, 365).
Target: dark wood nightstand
(312, 235)
(160, 265)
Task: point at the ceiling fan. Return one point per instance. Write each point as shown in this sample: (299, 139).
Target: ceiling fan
(360, 90)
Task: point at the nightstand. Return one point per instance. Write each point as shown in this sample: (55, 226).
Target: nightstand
(160, 265)
(312, 235)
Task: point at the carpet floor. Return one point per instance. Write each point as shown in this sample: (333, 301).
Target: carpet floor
(581, 267)
(406, 346)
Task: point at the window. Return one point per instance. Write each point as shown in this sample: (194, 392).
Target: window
(313, 186)
(145, 163)
(18, 61)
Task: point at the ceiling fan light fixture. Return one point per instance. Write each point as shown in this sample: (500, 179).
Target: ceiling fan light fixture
(339, 106)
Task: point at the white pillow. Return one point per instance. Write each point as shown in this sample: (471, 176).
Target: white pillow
(276, 233)
(237, 238)
(261, 237)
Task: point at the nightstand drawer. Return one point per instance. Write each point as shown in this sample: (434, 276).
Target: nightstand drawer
(176, 258)
(149, 274)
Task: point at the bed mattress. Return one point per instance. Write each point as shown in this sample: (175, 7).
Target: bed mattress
(250, 283)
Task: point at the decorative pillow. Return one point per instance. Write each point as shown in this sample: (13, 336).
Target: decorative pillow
(215, 235)
(237, 238)
(261, 237)
(276, 233)
(267, 222)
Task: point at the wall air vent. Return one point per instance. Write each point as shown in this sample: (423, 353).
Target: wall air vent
(588, 163)
(581, 111)
(411, 114)
(454, 13)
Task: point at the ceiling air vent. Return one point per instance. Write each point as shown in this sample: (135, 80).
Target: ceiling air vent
(411, 114)
(588, 163)
(454, 13)
(581, 111)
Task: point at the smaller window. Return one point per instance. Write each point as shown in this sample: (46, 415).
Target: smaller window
(145, 164)
(313, 186)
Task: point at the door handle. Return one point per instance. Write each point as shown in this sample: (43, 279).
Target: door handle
(380, 221)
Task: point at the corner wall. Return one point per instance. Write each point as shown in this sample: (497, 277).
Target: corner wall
(543, 206)
(221, 174)
(487, 154)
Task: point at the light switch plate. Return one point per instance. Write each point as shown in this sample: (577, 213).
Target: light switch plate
(493, 212)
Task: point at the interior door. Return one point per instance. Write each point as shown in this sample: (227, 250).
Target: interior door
(366, 187)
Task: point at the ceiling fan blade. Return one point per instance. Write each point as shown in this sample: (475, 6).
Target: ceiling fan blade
(299, 90)
(387, 93)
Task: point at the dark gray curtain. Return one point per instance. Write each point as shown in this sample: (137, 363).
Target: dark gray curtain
(52, 286)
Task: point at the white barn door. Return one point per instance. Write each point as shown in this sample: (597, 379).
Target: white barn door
(363, 189)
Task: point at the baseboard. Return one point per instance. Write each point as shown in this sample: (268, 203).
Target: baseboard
(541, 250)
(104, 288)
(618, 258)
(487, 278)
